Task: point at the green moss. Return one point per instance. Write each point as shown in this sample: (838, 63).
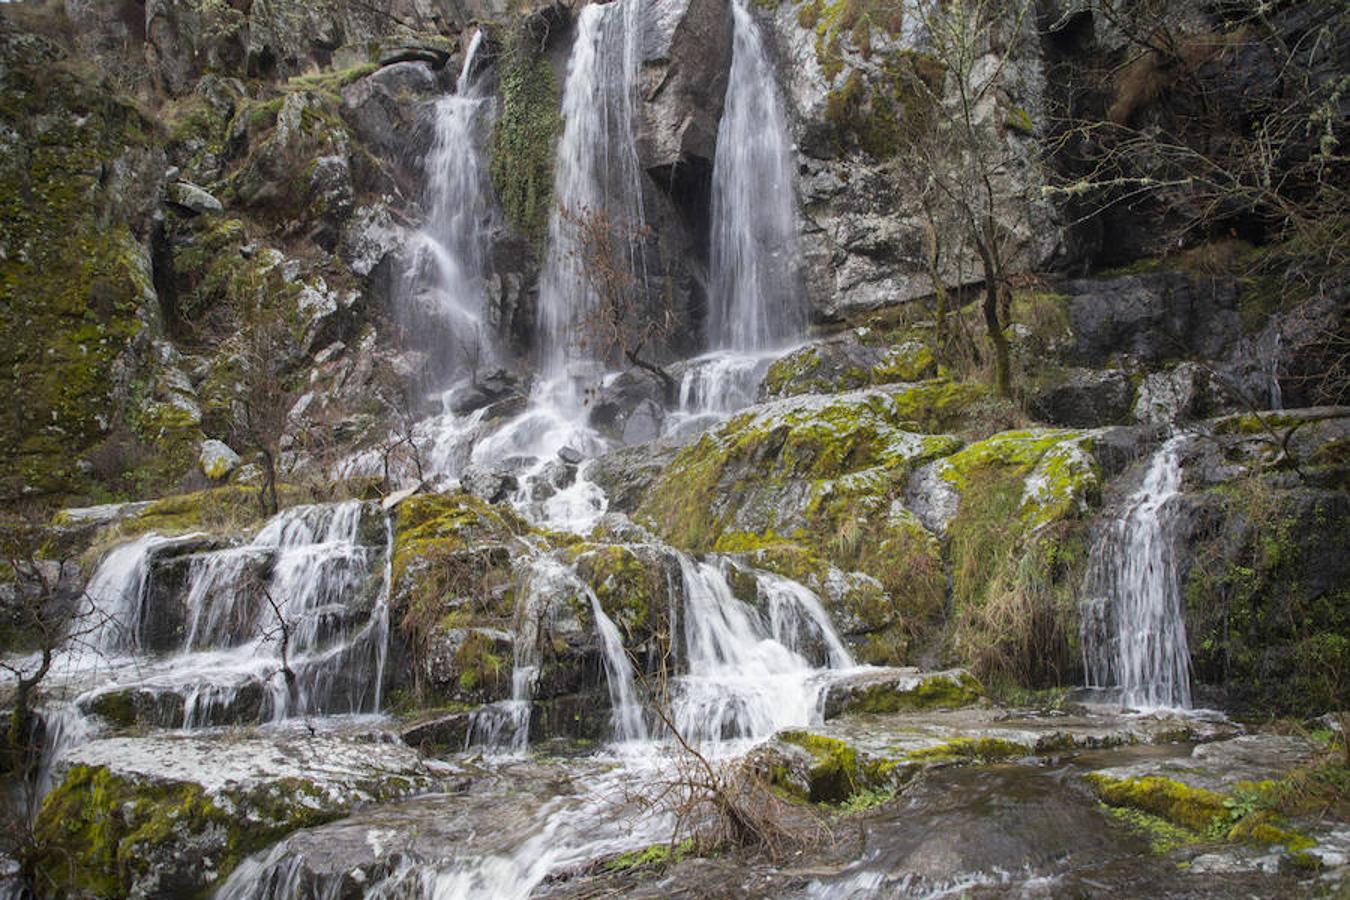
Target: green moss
(1162, 835)
(222, 509)
(933, 692)
(1180, 804)
(524, 136)
(653, 856)
(1016, 550)
(98, 832)
(632, 590)
(1261, 615)
(1019, 120)
(971, 750)
(331, 80)
(839, 773)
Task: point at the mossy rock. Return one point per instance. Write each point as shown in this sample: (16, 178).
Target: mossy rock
(970, 751)
(838, 365)
(1180, 804)
(633, 585)
(1016, 549)
(837, 771)
(101, 834)
(1267, 595)
(886, 692)
(75, 290)
(811, 484)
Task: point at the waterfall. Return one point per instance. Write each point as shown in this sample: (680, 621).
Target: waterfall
(300, 580)
(1134, 630)
(440, 303)
(756, 299)
(116, 595)
(596, 172)
(742, 678)
(625, 710)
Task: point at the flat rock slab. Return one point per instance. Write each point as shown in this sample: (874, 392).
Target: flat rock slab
(1219, 766)
(1037, 732)
(345, 769)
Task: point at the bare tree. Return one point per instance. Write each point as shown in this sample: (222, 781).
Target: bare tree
(261, 408)
(625, 321)
(41, 617)
(958, 160)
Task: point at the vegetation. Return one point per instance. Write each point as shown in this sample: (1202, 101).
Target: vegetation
(525, 133)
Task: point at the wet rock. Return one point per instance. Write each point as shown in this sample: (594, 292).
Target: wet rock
(385, 111)
(570, 456)
(438, 734)
(684, 81)
(491, 485)
(625, 474)
(1154, 318)
(175, 813)
(1086, 398)
(644, 423)
(619, 399)
(892, 690)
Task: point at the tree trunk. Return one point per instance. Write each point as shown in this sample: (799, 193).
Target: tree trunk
(997, 339)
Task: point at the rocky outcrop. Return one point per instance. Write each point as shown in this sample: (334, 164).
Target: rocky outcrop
(174, 815)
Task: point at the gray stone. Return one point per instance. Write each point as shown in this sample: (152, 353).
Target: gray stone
(644, 423)
(488, 484)
(1086, 398)
(191, 197)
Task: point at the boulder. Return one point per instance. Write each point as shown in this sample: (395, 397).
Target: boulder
(216, 460)
(193, 198)
(1086, 398)
(175, 813)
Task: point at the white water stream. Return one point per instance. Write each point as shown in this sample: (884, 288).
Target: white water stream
(756, 299)
(1134, 627)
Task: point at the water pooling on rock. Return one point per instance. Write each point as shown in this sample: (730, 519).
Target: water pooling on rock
(1134, 630)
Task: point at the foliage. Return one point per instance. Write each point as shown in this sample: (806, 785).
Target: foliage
(523, 139)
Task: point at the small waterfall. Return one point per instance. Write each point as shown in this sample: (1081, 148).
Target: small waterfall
(300, 581)
(1134, 630)
(596, 172)
(625, 709)
(440, 303)
(506, 723)
(756, 297)
(742, 680)
(116, 595)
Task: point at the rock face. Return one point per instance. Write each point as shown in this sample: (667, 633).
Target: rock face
(865, 239)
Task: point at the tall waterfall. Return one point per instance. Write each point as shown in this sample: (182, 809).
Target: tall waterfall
(596, 172)
(1134, 630)
(440, 305)
(757, 299)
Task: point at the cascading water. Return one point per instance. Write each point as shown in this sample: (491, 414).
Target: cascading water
(744, 676)
(116, 595)
(1134, 630)
(295, 585)
(596, 172)
(440, 305)
(756, 300)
